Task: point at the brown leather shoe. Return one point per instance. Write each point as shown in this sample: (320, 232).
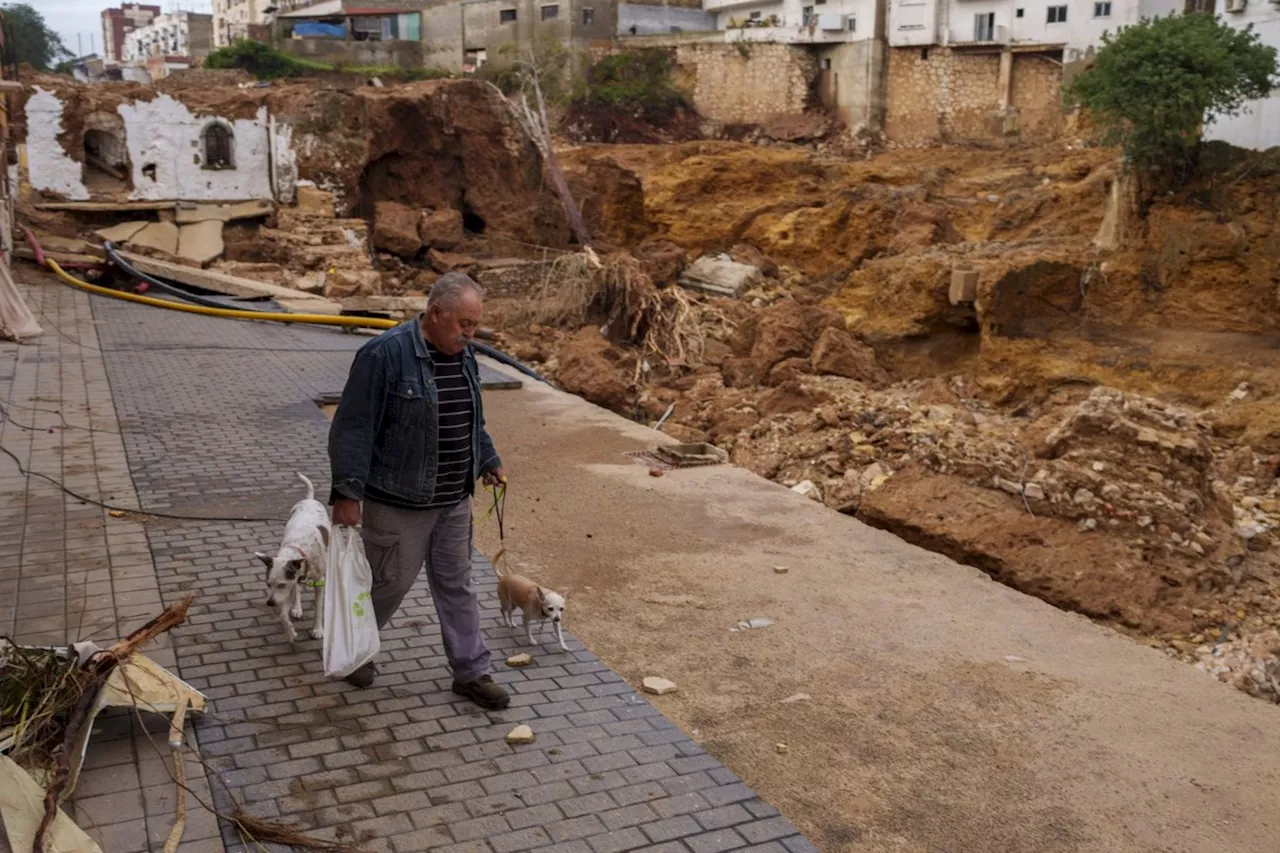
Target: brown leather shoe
(363, 677)
(484, 691)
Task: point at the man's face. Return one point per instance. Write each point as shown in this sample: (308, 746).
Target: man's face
(450, 328)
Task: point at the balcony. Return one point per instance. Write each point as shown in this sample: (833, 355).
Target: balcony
(814, 29)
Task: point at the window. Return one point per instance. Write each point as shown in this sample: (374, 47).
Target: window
(218, 146)
(506, 16)
(851, 24)
(1057, 14)
(1208, 6)
(1020, 13)
(826, 65)
(806, 16)
(754, 16)
(984, 26)
(550, 13)
(1102, 10)
(588, 17)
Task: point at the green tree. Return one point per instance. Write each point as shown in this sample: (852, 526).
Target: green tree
(28, 38)
(1153, 86)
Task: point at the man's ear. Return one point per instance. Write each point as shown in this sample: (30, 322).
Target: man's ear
(263, 557)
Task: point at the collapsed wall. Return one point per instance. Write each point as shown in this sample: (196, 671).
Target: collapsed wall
(436, 145)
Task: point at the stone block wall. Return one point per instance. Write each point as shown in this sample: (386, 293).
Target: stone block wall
(748, 85)
(940, 94)
(1037, 96)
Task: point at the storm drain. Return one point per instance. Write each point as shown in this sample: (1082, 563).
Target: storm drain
(669, 456)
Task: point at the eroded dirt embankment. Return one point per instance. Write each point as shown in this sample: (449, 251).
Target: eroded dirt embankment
(1097, 427)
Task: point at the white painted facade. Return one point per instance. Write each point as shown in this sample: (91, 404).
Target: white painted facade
(166, 149)
(165, 35)
(1078, 25)
(795, 21)
(1259, 126)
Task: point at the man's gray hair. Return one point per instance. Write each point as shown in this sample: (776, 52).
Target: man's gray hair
(448, 289)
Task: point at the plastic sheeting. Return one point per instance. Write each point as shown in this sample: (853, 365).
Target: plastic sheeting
(316, 29)
(17, 323)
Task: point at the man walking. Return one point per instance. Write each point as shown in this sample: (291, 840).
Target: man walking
(406, 446)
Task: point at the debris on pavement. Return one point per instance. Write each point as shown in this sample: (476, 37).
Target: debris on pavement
(658, 686)
(523, 659)
(757, 622)
(521, 734)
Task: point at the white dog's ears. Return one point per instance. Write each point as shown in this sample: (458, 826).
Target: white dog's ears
(264, 558)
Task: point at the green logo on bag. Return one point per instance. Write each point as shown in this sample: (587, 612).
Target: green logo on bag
(356, 607)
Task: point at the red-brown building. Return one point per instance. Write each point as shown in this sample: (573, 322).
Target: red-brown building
(116, 22)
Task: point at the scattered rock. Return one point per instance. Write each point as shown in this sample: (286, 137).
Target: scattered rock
(440, 229)
(745, 253)
(838, 353)
(808, 489)
(796, 697)
(758, 622)
(658, 686)
(395, 228)
(1033, 491)
(521, 734)
(780, 570)
(662, 261)
(656, 472)
(520, 660)
(314, 201)
(781, 748)
(343, 283)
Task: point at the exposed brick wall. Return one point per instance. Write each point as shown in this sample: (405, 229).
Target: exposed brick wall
(954, 96)
(769, 80)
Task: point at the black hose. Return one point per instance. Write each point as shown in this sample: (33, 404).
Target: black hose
(499, 355)
(161, 284)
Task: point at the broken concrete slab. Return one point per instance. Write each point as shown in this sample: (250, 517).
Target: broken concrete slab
(346, 284)
(440, 229)
(398, 307)
(395, 228)
(201, 242)
(123, 232)
(658, 686)
(448, 261)
(721, 276)
(218, 282)
(22, 810)
(188, 213)
(162, 236)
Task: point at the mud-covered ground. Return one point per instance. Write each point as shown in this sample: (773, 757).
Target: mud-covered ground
(1098, 428)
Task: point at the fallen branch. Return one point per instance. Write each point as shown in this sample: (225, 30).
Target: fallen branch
(261, 830)
(98, 668)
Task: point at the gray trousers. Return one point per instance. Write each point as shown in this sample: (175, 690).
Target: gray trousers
(397, 543)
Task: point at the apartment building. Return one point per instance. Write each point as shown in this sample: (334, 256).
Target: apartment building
(118, 22)
(1259, 125)
(179, 34)
(234, 20)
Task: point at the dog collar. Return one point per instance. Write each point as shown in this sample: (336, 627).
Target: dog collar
(301, 553)
(314, 584)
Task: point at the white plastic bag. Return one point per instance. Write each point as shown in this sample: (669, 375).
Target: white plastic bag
(350, 628)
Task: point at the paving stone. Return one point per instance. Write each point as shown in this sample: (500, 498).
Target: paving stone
(180, 405)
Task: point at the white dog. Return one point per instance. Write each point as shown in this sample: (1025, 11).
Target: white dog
(534, 602)
(300, 561)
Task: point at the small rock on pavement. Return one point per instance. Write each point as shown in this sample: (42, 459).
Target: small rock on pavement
(658, 686)
(521, 734)
(758, 622)
(520, 660)
(808, 489)
(796, 697)
(656, 472)
(780, 570)
(781, 748)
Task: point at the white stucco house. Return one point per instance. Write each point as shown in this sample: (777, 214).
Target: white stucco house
(1259, 126)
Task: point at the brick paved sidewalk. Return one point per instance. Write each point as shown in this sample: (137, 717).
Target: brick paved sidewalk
(216, 416)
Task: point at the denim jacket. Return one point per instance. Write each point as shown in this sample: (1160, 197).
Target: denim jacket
(384, 433)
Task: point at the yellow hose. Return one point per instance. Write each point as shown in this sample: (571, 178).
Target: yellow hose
(233, 313)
